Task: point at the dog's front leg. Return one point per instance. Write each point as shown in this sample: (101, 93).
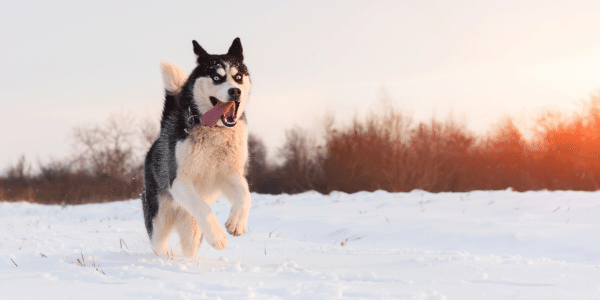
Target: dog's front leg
(184, 194)
(236, 190)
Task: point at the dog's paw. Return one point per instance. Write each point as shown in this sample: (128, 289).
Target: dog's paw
(237, 223)
(215, 236)
(217, 240)
(220, 243)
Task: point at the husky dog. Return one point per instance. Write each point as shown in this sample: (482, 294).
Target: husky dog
(191, 164)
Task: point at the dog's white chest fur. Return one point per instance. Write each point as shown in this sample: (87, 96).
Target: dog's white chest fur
(211, 163)
(211, 155)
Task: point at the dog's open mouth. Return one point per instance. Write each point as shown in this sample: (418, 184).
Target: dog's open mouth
(229, 115)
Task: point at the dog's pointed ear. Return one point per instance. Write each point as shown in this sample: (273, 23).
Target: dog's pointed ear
(236, 49)
(198, 50)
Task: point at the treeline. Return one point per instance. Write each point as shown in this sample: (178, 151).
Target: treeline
(384, 150)
(106, 165)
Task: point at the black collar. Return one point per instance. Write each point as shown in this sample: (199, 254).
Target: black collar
(192, 120)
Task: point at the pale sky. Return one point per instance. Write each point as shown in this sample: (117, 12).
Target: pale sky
(69, 63)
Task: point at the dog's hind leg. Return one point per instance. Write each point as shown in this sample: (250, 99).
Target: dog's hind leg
(236, 190)
(163, 224)
(190, 235)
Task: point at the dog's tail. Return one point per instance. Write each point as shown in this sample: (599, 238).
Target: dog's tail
(174, 79)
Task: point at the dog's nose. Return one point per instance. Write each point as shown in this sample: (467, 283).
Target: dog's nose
(235, 93)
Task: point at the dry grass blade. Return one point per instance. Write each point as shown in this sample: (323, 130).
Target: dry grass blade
(344, 243)
(14, 262)
(122, 242)
(42, 254)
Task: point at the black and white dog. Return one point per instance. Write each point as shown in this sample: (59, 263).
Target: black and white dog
(192, 164)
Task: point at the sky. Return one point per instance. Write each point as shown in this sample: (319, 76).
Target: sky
(73, 63)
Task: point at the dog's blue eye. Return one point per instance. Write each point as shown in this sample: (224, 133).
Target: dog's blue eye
(216, 78)
(238, 77)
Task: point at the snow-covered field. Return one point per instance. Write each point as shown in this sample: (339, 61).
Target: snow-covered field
(418, 245)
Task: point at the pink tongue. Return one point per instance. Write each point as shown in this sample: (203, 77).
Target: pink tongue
(213, 116)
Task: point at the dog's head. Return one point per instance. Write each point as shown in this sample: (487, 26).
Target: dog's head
(220, 78)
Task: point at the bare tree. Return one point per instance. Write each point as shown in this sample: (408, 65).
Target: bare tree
(107, 149)
(302, 166)
(257, 152)
(21, 170)
(258, 168)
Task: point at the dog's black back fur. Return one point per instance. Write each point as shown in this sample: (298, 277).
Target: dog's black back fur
(160, 168)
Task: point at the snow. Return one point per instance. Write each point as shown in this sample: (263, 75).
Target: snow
(417, 245)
